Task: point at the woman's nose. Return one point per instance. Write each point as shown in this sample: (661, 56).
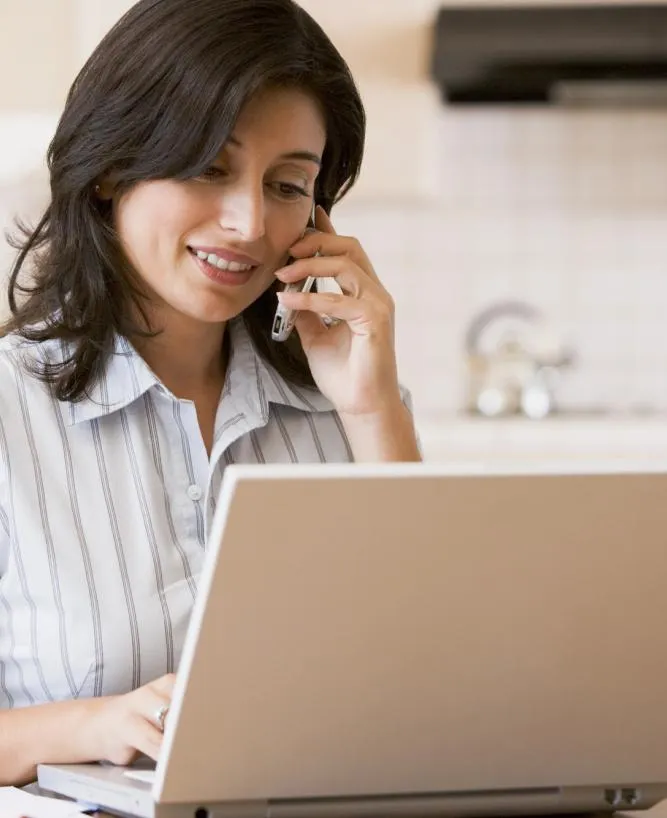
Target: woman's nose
(243, 213)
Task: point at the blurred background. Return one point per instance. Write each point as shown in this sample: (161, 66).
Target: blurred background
(513, 200)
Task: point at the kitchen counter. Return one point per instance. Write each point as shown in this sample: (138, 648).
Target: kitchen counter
(453, 438)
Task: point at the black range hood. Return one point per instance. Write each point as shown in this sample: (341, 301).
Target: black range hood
(575, 53)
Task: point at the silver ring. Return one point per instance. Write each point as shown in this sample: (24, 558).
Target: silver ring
(160, 716)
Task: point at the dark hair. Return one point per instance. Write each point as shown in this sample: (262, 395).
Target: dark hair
(158, 99)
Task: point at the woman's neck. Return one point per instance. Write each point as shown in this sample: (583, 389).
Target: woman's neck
(187, 356)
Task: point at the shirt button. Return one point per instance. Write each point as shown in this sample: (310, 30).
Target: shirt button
(194, 493)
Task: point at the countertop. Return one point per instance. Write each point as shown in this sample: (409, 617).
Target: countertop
(596, 437)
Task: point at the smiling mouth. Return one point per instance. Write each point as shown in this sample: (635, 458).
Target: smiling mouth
(228, 274)
(221, 263)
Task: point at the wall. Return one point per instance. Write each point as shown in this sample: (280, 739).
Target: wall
(38, 53)
(565, 209)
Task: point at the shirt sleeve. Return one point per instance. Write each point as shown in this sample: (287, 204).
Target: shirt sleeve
(4, 517)
(406, 397)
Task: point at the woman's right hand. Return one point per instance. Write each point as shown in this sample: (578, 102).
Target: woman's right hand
(119, 728)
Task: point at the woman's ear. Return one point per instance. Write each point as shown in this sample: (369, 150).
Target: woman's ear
(104, 190)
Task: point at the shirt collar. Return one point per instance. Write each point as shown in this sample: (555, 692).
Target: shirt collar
(251, 382)
(125, 379)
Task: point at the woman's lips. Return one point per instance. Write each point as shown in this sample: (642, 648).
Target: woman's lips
(227, 255)
(232, 278)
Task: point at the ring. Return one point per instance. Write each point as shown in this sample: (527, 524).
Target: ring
(160, 716)
(328, 321)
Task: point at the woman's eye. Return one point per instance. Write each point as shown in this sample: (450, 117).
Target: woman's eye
(289, 191)
(212, 174)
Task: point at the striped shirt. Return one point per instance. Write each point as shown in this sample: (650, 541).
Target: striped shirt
(105, 506)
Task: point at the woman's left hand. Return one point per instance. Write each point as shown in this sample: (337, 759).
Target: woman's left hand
(353, 361)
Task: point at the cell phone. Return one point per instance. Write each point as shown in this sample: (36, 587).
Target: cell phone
(285, 317)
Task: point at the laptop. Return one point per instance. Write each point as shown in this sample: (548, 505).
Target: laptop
(416, 640)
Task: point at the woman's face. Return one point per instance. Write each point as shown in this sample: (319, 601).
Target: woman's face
(208, 247)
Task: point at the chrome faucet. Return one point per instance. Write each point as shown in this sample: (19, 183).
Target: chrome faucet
(513, 362)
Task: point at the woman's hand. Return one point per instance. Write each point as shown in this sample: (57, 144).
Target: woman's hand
(354, 361)
(119, 728)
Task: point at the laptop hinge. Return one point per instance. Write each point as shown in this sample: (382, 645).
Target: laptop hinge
(476, 804)
(431, 805)
(231, 809)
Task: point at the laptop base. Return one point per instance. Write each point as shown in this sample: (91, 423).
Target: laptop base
(109, 788)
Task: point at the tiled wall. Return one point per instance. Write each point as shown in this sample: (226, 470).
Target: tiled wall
(563, 208)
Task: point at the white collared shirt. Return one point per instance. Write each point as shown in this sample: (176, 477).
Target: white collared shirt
(105, 506)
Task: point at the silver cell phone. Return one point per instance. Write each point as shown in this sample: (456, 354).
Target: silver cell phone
(285, 317)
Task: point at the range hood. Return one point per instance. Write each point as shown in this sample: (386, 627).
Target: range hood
(565, 53)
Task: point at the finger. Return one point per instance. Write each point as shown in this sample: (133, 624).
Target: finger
(351, 310)
(151, 703)
(310, 327)
(331, 244)
(350, 278)
(147, 732)
(322, 221)
(145, 737)
(165, 684)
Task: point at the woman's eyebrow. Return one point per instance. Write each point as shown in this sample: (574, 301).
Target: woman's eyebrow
(306, 156)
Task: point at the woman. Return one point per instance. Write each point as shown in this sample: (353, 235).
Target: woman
(138, 361)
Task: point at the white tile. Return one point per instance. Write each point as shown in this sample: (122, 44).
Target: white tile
(567, 211)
